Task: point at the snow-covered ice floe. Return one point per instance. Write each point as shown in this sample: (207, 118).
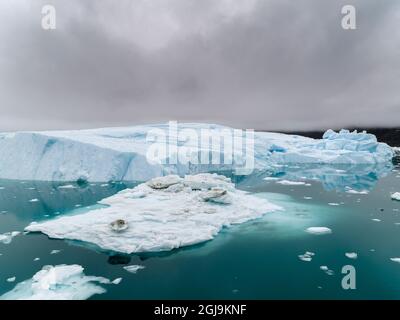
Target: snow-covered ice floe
(119, 154)
(62, 282)
(164, 213)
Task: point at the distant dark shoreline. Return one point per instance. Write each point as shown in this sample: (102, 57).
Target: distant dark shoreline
(391, 136)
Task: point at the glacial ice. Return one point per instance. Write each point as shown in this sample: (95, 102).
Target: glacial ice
(160, 219)
(62, 282)
(119, 154)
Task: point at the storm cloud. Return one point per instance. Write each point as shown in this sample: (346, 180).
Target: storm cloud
(262, 64)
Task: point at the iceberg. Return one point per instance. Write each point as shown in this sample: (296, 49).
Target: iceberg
(62, 282)
(121, 154)
(160, 215)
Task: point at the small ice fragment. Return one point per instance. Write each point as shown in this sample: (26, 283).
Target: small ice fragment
(270, 178)
(396, 196)
(12, 279)
(308, 198)
(357, 192)
(395, 260)
(351, 255)
(333, 204)
(36, 259)
(376, 220)
(304, 257)
(55, 251)
(328, 271)
(34, 200)
(67, 186)
(319, 230)
(291, 183)
(7, 237)
(133, 268)
(116, 281)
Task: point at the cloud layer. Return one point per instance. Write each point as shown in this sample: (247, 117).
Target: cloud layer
(263, 64)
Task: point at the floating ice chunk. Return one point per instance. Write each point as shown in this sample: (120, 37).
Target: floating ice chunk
(307, 198)
(55, 251)
(396, 196)
(351, 255)
(376, 220)
(333, 204)
(319, 230)
(67, 186)
(116, 281)
(291, 183)
(36, 259)
(133, 268)
(62, 282)
(395, 260)
(351, 191)
(306, 256)
(7, 237)
(271, 178)
(12, 279)
(327, 270)
(34, 200)
(161, 220)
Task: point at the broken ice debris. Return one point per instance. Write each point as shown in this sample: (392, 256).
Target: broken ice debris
(159, 219)
(7, 237)
(319, 230)
(396, 196)
(62, 282)
(307, 256)
(133, 268)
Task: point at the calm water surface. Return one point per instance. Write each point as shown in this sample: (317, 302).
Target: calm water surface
(258, 259)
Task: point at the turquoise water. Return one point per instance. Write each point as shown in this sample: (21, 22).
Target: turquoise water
(255, 260)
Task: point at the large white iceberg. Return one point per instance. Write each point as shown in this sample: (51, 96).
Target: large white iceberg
(121, 154)
(160, 215)
(62, 282)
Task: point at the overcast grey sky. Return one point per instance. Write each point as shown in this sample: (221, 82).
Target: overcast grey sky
(262, 64)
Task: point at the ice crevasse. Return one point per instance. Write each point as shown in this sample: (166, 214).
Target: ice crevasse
(119, 154)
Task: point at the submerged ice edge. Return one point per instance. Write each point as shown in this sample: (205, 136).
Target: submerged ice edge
(160, 215)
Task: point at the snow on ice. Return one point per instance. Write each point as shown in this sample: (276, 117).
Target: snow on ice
(160, 215)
